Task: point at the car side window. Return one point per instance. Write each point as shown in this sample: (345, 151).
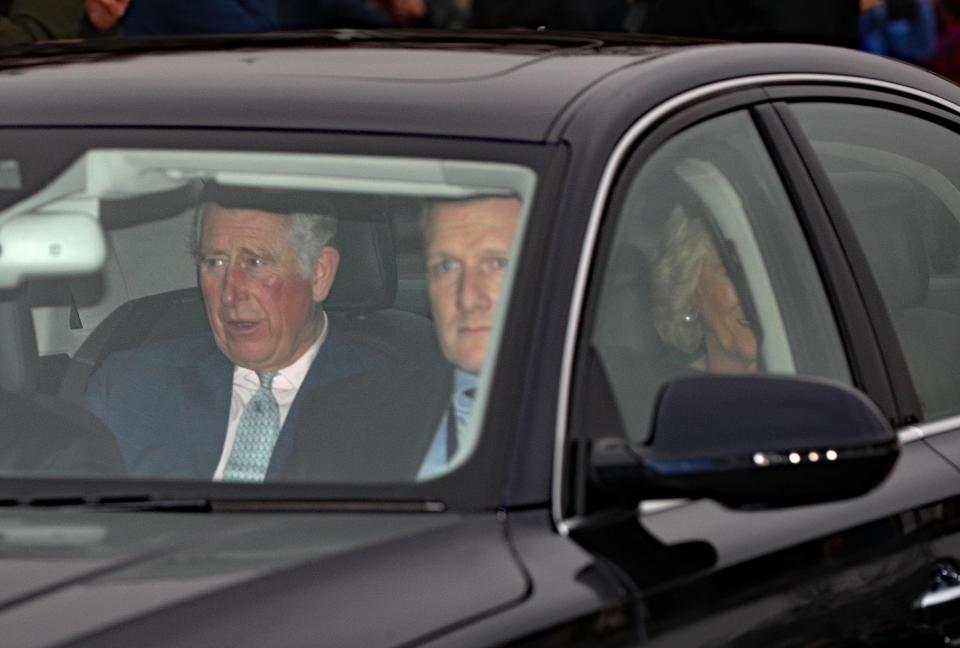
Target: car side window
(897, 178)
(707, 270)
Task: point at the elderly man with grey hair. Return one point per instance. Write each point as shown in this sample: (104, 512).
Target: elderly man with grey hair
(221, 405)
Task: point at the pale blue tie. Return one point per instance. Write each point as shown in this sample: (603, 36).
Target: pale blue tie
(458, 418)
(256, 435)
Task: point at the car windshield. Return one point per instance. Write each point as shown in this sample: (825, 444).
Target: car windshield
(249, 316)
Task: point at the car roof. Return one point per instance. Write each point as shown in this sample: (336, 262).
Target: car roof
(491, 85)
(430, 83)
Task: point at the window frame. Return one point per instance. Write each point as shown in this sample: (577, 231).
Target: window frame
(910, 103)
(477, 483)
(648, 133)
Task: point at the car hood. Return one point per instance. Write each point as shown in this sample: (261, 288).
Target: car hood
(248, 579)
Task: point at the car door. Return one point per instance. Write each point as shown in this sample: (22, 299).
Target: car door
(717, 253)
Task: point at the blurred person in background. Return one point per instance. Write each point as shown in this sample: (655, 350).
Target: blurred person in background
(833, 22)
(104, 15)
(946, 58)
(330, 14)
(438, 14)
(622, 15)
(29, 21)
(904, 29)
(533, 14)
(370, 14)
(184, 17)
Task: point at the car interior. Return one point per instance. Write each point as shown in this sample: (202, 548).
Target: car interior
(915, 267)
(55, 331)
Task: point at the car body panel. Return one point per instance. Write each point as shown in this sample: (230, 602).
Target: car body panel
(410, 92)
(92, 572)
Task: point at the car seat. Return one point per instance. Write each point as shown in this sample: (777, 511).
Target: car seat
(18, 343)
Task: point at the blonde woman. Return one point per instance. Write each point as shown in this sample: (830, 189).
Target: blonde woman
(696, 306)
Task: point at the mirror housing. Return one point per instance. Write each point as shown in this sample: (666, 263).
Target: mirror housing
(751, 441)
(49, 245)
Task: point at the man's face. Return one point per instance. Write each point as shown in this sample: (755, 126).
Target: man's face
(468, 245)
(263, 313)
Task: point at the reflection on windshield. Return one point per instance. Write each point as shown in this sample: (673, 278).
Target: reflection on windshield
(278, 343)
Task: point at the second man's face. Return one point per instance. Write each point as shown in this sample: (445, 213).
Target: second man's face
(262, 311)
(467, 250)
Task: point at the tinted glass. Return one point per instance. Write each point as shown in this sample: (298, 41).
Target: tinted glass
(250, 316)
(708, 272)
(899, 183)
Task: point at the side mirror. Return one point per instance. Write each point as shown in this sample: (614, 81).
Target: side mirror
(751, 441)
(49, 245)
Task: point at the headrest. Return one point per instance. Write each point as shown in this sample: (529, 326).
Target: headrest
(19, 359)
(367, 277)
(885, 210)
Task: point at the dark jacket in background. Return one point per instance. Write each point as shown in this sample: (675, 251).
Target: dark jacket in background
(833, 22)
(330, 14)
(905, 29)
(946, 59)
(531, 14)
(181, 17)
(28, 21)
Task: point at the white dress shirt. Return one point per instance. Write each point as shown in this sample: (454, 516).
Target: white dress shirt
(285, 386)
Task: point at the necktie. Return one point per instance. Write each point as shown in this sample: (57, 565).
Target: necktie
(458, 417)
(256, 435)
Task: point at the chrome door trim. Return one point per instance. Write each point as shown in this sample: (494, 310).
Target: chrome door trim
(615, 161)
(933, 428)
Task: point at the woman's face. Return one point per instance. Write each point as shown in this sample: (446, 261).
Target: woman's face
(730, 341)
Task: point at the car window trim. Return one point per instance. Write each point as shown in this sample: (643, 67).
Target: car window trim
(638, 130)
(477, 484)
(850, 293)
(907, 402)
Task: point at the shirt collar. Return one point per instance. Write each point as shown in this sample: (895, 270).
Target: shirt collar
(289, 377)
(463, 380)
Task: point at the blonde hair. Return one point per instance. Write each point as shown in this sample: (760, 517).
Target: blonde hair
(676, 274)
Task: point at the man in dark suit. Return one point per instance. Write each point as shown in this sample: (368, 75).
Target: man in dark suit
(222, 407)
(401, 423)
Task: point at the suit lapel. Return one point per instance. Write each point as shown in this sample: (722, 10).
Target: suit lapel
(207, 388)
(337, 359)
(376, 425)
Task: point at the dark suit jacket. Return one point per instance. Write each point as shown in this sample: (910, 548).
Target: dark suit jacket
(168, 403)
(372, 427)
(45, 435)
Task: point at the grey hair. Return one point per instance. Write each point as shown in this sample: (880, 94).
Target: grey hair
(676, 274)
(307, 234)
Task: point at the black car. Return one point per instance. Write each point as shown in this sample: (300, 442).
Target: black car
(710, 365)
